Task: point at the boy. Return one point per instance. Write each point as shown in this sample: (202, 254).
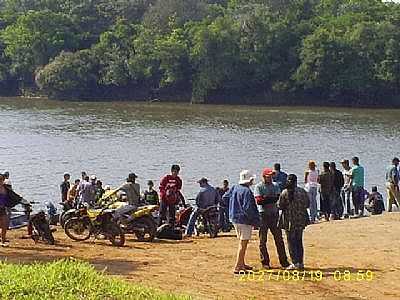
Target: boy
(150, 196)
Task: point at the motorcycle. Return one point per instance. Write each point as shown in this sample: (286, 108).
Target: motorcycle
(138, 221)
(207, 221)
(95, 222)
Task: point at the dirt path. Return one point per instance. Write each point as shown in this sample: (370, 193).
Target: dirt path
(202, 267)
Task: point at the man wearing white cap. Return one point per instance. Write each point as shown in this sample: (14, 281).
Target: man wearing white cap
(244, 215)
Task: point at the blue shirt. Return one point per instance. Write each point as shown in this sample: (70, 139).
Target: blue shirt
(280, 178)
(242, 206)
(208, 196)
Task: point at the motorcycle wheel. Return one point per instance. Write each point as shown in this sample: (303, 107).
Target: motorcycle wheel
(150, 230)
(77, 229)
(61, 219)
(115, 235)
(64, 217)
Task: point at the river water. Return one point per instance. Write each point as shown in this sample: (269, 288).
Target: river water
(42, 139)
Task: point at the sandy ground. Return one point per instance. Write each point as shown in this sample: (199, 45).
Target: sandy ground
(202, 267)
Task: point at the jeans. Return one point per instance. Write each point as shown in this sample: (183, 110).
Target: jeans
(393, 195)
(295, 243)
(347, 201)
(312, 194)
(270, 221)
(336, 204)
(358, 199)
(192, 221)
(325, 203)
(224, 218)
(171, 213)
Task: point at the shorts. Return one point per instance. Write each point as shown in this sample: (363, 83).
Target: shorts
(243, 231)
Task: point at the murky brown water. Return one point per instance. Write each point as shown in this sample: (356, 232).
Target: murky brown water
(41, 139)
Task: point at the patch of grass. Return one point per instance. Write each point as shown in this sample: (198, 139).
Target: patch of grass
(69, 279)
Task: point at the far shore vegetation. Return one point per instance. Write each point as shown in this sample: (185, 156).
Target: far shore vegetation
(323, 52)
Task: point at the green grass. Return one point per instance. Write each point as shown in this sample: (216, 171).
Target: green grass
(69, 279)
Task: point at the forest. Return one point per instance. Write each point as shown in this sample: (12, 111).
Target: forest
(322, 52)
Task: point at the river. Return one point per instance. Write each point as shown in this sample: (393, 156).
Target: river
(42, 139)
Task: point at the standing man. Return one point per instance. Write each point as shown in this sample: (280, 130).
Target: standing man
(224, 206)
(346, 190)
(64, 187)
(170, 195)
(392, 184)
(357, 186)
(87, 192)
(132, 190)
(338, 182)
(267, 194)
(244, 215)
(207, 196)
(279, 177)
(325, 179)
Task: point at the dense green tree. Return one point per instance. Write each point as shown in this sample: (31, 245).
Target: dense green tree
(215, 55)
(35, 38)
(70, 75)
(113, 51)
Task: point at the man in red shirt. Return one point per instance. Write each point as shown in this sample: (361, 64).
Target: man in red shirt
(170, 195)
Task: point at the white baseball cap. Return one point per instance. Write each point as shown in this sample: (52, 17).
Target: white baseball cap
(246, 177)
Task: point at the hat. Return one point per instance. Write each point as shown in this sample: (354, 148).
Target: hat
(93, 177)
(267, 172)
(202, 179)
(131, 176)
(245, 177)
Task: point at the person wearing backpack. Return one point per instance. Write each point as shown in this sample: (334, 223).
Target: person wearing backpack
(170, 195)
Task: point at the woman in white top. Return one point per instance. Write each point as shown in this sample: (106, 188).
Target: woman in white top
(311, 186)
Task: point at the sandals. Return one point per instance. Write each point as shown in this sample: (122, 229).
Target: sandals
(247, 269)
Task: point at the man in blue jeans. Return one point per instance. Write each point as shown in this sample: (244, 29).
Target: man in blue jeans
(207, 196)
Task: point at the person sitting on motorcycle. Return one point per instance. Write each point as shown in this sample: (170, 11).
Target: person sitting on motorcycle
(150, 196)
(132, 190)
(207, 196)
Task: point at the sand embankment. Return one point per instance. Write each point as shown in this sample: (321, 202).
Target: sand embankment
(202, 267)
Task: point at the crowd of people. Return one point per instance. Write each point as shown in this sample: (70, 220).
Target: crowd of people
(276, 203)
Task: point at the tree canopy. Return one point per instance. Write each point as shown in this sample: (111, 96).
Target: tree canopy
(213, 50)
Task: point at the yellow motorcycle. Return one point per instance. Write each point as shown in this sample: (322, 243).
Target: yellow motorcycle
(95, 222)
(138, 221)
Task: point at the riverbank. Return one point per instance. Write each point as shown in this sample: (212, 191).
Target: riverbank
(202, 267)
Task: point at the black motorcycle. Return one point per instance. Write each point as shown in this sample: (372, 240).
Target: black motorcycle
(68, 211)
(207, 221)
(95, 222)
